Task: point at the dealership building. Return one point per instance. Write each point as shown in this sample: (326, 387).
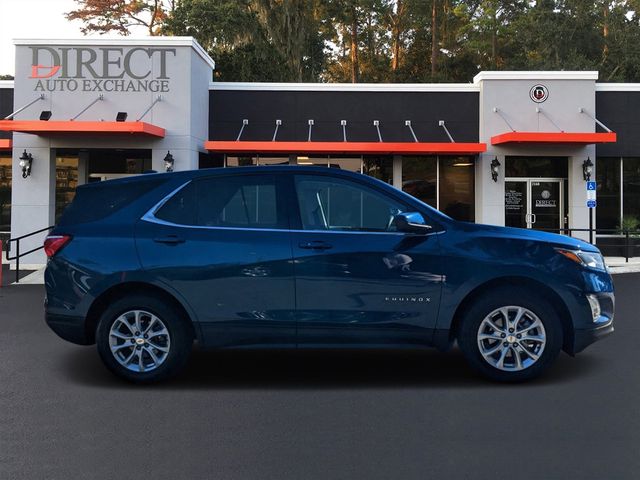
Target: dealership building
(508, 148)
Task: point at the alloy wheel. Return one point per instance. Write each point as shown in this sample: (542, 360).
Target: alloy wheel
(139, 341)
(511, 338)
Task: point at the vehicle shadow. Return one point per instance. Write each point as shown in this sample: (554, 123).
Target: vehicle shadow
(321, 369)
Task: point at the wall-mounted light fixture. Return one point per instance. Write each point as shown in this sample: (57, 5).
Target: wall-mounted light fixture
(587, 169)
(495, 169)
(26, 159)
(45, 115)
(121, 116)
(168, 162)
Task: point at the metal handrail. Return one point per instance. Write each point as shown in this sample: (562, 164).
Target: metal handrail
(18, 255)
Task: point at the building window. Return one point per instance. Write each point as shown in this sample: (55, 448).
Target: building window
(5, 194)
(378, 167)
(618, 191)
(66, 182)
(457, 193)
(608, 179)
(541, 167)
(631, 187)
(444, 182)
(420, 178)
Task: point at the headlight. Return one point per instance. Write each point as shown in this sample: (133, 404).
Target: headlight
(586, 259)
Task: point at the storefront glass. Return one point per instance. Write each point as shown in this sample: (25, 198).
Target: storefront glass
(378, 167)
(608, 194)
(66, 182)
(541, 167)
(631, 188)
(420, 178)
(457, 194)
(444, 182)
(5, 193)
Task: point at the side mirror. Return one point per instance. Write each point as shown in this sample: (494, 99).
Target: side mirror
(411, 222)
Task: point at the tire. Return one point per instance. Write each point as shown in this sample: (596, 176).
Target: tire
(494, 350)
(125, 350)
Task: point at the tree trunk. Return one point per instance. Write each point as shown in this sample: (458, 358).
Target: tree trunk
(434, 38)
(355, 67)
(605, 33)
(396, 28)
(494, 39)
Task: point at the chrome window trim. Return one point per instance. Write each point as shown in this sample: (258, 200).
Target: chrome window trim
(151, 218)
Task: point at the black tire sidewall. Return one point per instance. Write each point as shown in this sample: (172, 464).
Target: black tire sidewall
(482, 306)
(181, 339)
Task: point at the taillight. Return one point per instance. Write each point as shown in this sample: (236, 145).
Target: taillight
(53, 244)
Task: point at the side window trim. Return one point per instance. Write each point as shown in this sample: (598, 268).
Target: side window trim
(150, 216)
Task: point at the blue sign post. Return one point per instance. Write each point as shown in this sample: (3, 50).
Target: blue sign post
(591, 204)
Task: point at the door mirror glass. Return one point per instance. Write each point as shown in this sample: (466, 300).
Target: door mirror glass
(411, 222)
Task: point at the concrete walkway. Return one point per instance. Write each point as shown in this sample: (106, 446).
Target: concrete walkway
(616, 265)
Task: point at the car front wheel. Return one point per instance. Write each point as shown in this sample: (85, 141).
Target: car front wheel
(143, 339)
(510, 335)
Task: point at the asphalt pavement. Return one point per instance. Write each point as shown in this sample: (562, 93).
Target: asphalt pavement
(314, 414)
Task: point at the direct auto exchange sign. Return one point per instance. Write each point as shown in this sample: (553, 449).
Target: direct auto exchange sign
(108, 69)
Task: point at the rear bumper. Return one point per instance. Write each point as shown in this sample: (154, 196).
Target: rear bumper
(69, 328)
(583, 338)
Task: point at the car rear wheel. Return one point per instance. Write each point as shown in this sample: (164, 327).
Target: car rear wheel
(143, 339)
(510, 335)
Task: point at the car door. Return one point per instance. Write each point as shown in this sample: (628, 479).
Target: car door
(223, 244)
(358, 279)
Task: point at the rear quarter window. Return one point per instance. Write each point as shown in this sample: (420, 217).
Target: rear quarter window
(250, 201)
(99, 200)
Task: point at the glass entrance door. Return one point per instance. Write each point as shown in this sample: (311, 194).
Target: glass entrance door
(534, 203)
(545, 205)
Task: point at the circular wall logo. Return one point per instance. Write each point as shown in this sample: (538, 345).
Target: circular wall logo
(539, 93)
(545, 194)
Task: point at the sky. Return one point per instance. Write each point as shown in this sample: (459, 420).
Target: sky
(33, 19)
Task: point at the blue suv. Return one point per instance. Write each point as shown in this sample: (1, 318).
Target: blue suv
(310, 257)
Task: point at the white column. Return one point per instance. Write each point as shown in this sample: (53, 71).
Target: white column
(397, 171)
(489, 194)
(33, 202)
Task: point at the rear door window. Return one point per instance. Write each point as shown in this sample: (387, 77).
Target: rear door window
(242, 201)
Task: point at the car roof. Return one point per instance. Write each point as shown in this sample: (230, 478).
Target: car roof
(261, 169)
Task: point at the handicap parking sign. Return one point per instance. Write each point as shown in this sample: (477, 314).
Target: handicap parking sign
(591, 186)
(591, 203)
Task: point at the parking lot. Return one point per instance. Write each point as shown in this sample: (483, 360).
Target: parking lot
(314, 414)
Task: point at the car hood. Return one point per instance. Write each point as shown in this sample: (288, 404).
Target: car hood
(535, 235)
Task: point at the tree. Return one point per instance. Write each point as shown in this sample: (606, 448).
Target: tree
(234, 35)
(119, 16)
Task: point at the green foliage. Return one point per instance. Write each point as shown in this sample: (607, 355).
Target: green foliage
(629, 223)
(403, 40)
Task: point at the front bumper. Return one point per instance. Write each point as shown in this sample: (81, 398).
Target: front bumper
(583, 338)
(69, 328)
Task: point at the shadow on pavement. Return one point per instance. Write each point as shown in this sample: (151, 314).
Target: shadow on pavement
(320, 369)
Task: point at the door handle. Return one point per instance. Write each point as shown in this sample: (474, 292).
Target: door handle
(315, 245)
(169, 240)
(533, 218)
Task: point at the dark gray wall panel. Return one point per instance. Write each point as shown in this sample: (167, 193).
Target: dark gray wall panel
(6, 107)
(227, 108)
(620, 111)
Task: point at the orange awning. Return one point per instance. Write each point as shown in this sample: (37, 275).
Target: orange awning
(5, 144)
(382, 148)
(41, 127)
(553, 138)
